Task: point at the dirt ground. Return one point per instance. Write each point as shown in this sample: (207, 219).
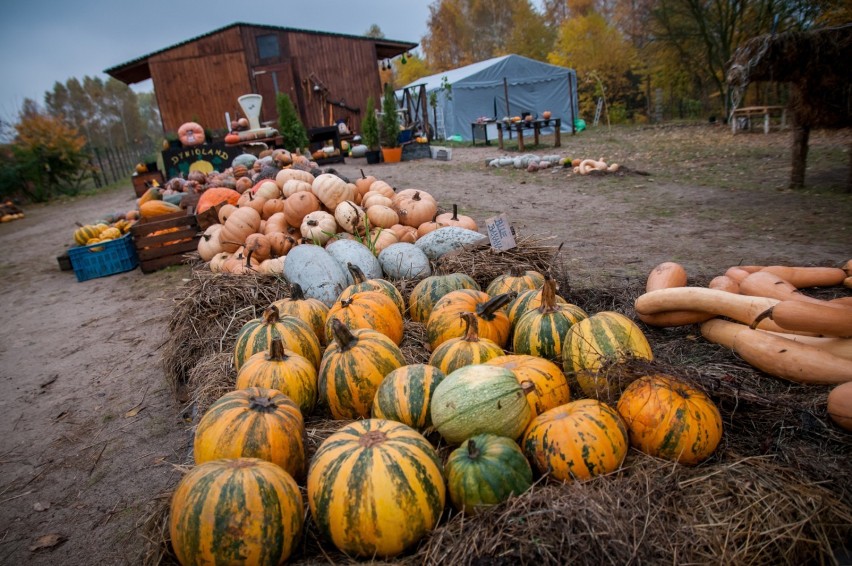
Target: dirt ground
(90, 434)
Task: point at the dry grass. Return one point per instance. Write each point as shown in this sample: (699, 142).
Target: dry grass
(778, 489)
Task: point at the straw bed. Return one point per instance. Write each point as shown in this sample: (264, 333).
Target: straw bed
(778, 490)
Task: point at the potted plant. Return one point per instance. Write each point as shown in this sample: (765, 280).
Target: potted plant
(391, 150)
(370, 133)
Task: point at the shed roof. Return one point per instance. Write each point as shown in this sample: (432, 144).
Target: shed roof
(137, 70)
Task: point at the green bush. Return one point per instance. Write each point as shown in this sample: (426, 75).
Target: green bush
(370, 126)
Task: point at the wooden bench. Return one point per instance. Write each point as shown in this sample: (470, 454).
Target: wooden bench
(741, 117)
(536, 126)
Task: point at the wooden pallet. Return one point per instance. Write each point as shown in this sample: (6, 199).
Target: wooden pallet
(157, 251)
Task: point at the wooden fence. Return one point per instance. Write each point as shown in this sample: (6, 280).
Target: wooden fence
(111, 164)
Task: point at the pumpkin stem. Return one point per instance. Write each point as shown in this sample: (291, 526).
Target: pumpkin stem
(765, 314)
(517, 271)
(472, 330)
(455, 212)
(312, 222)
(416, 196)
(362, 174)
(472, 450)
(342, 335)
(357, 275)
(548, 297)
(262, 404)
(296, 292)
(372, 438)
(271, 315)
(276, 351)
(347, 302)
(527, 387)
(489, 308)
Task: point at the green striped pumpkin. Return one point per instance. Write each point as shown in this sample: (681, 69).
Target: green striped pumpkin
(484, 471)
(542, 381)
(598, 346)
(443, 323)
(668, 418)
(256, 335)
(235, 511)
(430, 290)
(375, 488)
(576, 441)
(467, 350)
(526, 301)
(253, 423)
(541, 331)
(353, 367)
(405, 393)
(516, 280)
(363, 284)
(478, 399)
(284, 370)
(307, 309)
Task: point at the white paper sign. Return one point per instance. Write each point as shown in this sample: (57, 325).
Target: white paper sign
(500, 233)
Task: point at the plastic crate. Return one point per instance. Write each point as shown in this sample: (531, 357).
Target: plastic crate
(103, 258)
(441, 153)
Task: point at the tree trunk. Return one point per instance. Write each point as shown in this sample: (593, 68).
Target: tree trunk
(801, 133)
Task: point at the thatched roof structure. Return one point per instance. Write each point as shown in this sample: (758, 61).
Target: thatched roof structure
(815, 62)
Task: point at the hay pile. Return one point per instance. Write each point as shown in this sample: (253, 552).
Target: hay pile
(779, 489)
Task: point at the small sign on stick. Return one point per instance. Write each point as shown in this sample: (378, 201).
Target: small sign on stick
(500, 233)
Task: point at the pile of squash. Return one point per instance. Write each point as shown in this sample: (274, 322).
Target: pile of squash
(10, 211)
(259, 227)
(761, 313)
(496, 388)
(111, 228)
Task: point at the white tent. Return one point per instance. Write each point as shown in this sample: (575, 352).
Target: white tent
(479, 90)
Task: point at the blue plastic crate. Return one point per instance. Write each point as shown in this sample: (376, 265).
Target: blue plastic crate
(103, 258)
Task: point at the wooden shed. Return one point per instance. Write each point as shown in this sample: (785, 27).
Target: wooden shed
(328, 76)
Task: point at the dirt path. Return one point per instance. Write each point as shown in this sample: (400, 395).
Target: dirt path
(90, 433)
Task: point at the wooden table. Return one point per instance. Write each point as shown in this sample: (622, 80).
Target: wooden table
(536, 126)
(741, 117)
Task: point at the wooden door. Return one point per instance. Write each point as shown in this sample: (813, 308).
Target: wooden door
(268, 81)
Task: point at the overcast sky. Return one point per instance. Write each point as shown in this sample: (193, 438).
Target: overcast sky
(45, 41)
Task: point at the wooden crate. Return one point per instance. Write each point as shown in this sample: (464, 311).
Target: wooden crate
(157, 251)
(142, 180)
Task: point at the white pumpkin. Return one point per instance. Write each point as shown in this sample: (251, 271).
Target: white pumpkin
(268, 190)
(293, 186)
(332, 190)
(350, 217)
(209, 244)
(286, 174)
(318, 226)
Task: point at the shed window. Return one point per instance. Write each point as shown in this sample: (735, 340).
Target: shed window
(267, 46)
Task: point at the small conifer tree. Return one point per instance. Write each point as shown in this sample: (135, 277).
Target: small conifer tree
(290, 126)
(370, 127)
(390, 119)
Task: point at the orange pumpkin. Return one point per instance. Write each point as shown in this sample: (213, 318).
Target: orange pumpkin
(216, 196)
(367, 309)
(443, 322)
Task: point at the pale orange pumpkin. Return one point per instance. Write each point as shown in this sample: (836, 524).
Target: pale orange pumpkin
(416, 209)
(209, 244)
(454, 219)
(280, 243)
(259, 246)
(190, 134)
(272, 206)
(293, 186)
(298, 206)
(383, 188)
(382, 216)
(243, 222)
(373, 198)
(407, 234)
(318, 227)
(331, 190)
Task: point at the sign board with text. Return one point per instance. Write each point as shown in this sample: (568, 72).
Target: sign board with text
(206, 158)
(500, 233)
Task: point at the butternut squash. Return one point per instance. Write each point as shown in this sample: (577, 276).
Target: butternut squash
(719, 303)
(750, 268)
(665, 276)
(848, 282)
(797, 316)
(724, 283)
(675, 318)
(801, 277)
(847, 268)
(737, 274)
(669, 275)
(779, 356)
(840, 347)
(768, 284)
(840, 405)
(846, 301)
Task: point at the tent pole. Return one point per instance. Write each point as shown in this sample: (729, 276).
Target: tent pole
(506, 92)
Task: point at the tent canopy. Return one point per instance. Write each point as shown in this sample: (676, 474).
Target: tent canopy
(479, 90)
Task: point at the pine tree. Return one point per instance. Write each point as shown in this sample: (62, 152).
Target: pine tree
(290, 126)
(390, 119)
(370, 126)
